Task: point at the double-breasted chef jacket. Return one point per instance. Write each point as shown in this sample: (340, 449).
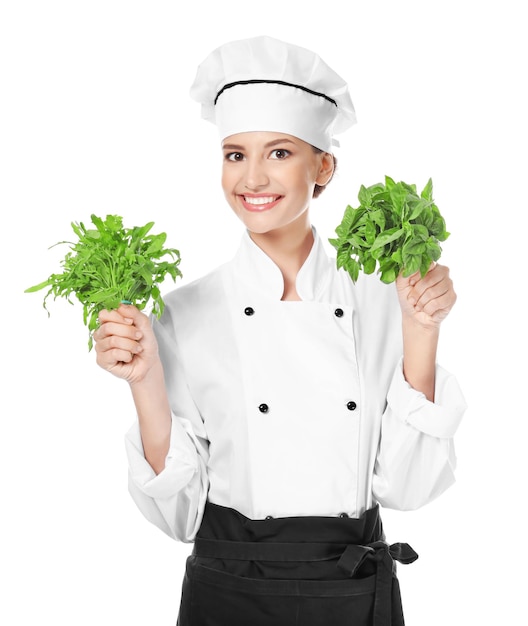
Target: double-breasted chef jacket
(291, 408)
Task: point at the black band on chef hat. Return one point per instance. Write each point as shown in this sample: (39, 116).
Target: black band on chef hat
(276, 82)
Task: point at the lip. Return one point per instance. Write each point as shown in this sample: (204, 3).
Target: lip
(262, 205)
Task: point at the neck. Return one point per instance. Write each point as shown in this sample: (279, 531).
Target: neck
(288, 248)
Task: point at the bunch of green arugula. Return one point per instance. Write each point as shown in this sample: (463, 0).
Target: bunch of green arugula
(111, 264)
(393, 228)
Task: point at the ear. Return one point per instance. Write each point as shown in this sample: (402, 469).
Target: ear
(326, 169)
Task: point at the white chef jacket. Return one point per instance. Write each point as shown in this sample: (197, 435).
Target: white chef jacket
(289, 408)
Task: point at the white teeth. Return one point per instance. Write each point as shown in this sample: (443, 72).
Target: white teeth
(260, 199)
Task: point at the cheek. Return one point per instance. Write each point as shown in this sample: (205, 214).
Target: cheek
(308, 185)
(308, 175)
(224, 178)
(300, 180)
(228, 182)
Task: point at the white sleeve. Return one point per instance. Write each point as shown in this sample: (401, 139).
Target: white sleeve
(174, 499)
(416, 457)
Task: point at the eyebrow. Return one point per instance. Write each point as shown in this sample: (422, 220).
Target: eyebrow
(270, 144)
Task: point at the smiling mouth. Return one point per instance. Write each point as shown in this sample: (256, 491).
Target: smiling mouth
(260, 203)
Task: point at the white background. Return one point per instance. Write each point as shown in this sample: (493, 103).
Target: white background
(95, 117)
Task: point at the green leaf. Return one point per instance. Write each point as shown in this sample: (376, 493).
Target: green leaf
(389, 182)
(157, 244)
(412, 265)
(396, 256)
(140, 233)
(387, 237)
(417, 207)
(388, 275)
(427, 191)
(370, 232)
(38, 287)
(356, 241)
(369, 265)
(343, 255)
(424, 265)
(398, 195)
(414, 246)
(420, 232)
(410, 188)
(378, 217)
(352, 267)
(378, 253)
(98, 223)
(355, 217)
(364, 196)
(433, 250)
(438, 226)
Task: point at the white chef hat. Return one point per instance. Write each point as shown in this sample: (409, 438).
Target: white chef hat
(264, 84)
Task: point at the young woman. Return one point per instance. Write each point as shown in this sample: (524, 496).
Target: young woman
(279, 404)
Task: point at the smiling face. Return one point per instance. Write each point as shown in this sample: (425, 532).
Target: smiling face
(269, 178)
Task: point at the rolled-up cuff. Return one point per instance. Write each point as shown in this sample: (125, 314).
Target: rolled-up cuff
(440, 418)
(180, 464)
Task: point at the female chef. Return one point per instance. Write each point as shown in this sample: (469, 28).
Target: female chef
(280, 405)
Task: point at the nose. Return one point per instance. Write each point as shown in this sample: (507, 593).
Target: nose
(256, 175)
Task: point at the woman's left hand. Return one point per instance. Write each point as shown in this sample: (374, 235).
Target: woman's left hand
(428, 300)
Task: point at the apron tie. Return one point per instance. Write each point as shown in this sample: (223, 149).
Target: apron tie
(384, 555)
(354, 555)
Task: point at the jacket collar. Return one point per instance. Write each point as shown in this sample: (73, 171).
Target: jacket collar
(262, 276)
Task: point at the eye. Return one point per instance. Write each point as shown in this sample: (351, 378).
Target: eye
(234, 156)
(279, 153)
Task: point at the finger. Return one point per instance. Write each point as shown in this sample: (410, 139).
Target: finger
(437, 278)
(120, 329)
(109, 359)
(123, 317)
(117, 342)
(414, 278)
(114, 316)
(118, 356)
(115, 360)
(441, 305)
(139, 319)
(433, 276)
(430, 294)
(440, 315)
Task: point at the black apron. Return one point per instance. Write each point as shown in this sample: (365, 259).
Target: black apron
(292, 571)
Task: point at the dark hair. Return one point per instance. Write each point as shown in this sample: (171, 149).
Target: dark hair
(318, 189)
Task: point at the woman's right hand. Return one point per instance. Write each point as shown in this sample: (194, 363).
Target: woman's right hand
(125, 343)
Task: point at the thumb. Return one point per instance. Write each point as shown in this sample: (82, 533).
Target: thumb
(132, 313)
